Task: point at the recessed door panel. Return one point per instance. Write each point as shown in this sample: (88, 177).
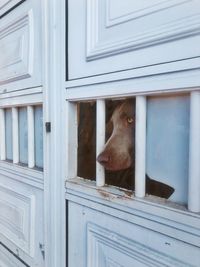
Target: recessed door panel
(108, 36)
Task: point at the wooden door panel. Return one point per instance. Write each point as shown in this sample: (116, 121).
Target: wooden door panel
(21, 219)
(8, 260)
(98, 239)
(6, 5)
(20, 46)
(128, 34)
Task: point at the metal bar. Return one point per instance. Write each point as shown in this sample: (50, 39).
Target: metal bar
(15, 133)
(100, 140)
(194, 153)
(140, 147)
(2, 135)
(31, 137)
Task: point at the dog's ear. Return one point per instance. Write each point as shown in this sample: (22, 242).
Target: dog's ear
(158, 189)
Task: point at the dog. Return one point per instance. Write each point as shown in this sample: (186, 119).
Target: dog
(118, 151)
(118, 155)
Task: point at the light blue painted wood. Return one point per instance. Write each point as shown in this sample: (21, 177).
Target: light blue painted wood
(23, 136)
(168, 142)
(8, 127)
(38, 125)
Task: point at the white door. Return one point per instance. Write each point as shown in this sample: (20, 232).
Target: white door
(21, 135)
(144, 53)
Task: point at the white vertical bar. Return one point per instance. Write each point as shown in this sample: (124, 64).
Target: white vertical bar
(2, 135)
(100, 139)
(140, 147)
(72, 140)
(194, 153)
(15, 133)
(31, 141)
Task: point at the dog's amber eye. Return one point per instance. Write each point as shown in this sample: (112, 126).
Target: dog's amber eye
(130, 120)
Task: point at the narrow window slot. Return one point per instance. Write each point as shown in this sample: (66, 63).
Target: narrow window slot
(38, 136)
(23, 136)
(168, 146)
(86, 120)
(9, 134)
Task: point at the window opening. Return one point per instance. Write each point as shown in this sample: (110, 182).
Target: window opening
(168, 120)
(23, 136)
(21, 130)
(38, 133)
(86, 112)
(148, 145)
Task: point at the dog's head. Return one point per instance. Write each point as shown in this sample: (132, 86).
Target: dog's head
(118, 150)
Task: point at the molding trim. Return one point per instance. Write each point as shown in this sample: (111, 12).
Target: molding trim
(21, 97)
(8, 5)
(17, 218)
(171, 219)
(16, 45)
(138, 13)
(106, 246)
(127, 85)
(8, 259)
(171, 31)
(22, 174)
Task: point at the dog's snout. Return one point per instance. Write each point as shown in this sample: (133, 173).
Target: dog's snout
(103, 158)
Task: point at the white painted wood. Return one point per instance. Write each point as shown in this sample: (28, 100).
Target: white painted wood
(22, 174)
(21, 99)
(182, 224)
(192, 63)
(15, 60)
(21, 93)
(21, 224)
(109, 31)
(9, 136)
(20, 44)
(31, 137)
(159, 221)
(120, 243)
(194, 153)
(117, 14)
(2, 135)
(19, 212)
(8, 260)
(15, 132)
(100, 139)
(55, 143)
(146, 85)
(6, 5)
(72, 140)
(140, 146)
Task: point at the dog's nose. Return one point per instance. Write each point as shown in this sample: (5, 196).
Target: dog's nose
(103, 158)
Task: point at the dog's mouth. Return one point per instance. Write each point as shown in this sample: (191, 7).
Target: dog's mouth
(112, 165)
(114, 168)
